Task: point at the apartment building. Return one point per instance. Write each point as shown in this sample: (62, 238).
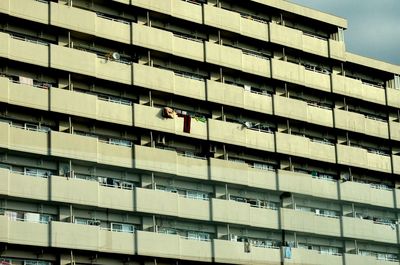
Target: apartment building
(138, 132)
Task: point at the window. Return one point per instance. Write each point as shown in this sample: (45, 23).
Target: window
(168, 231)
(36, 172)
(127, 228)
(84, 221)
(36, 262)
(120, 142)
(201, 236)
(197, 195)
(329, 250)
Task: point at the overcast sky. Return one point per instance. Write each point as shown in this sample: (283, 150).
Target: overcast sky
(373, 25)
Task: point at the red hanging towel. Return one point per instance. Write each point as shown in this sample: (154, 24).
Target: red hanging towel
(187, 120)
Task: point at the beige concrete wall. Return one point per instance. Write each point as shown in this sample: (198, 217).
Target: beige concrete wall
(173, 246)
(238, 134)
(357, 122)
(21, 186)
(175, 8)
(309, 222)
(355, 88)
(26, 9)
(313, 257)
(242, 213)
(366, 229)
(304, 147)
(306, 184)
(150, 117)
(363, 193)
(168, 203)
(239, 173)
(362, 260)
(233, 253)
(73, 146)
(300, 110)
(166, 81)
(358, 157)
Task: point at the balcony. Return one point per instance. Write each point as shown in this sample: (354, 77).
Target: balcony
(36, 11)
(238, 134)
(366, 194)
(91, 193)
(297, 74)
(24, 50)
(309, 222)
(169, 162)
(72, 18)
(337, 50)
(355, 156)
(229, 211)
(313, 257)
(368, 230)
(176, 8)
(21, 139)
(393, 97)
(286, 36)
(236, 96)
(315, 45)
(23, 186)
(90, 106)
(23, 232)
(151, 118)
(23, 95)
(165, 41)
(359, 123)
(166, 81)
(92, 238)
(394, 127)
(301, 110)
(67, 59)
(87, 63)
(240, 173)
(356, 88)
(305, 147)
(236, 59)
(365, 260)
(73, 146)
(305, 184)
(173, 246)
(169, 203)
(234, 253)
(116, 71)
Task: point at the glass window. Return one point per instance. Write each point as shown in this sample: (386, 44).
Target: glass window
(127, 228)
(194, 235)
(197, 195)
(37, 172)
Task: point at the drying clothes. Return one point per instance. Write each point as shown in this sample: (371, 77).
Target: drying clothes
(187, 120)
(168, 113)
(200, 119)
(287, 252)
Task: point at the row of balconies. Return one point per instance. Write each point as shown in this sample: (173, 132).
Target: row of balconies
(87, 63)
(92, 149)
(91, 193)
(94, 238)
(90, 106)
(88, 22)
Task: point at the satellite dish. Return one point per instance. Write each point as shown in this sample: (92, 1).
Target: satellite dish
(115, 55)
